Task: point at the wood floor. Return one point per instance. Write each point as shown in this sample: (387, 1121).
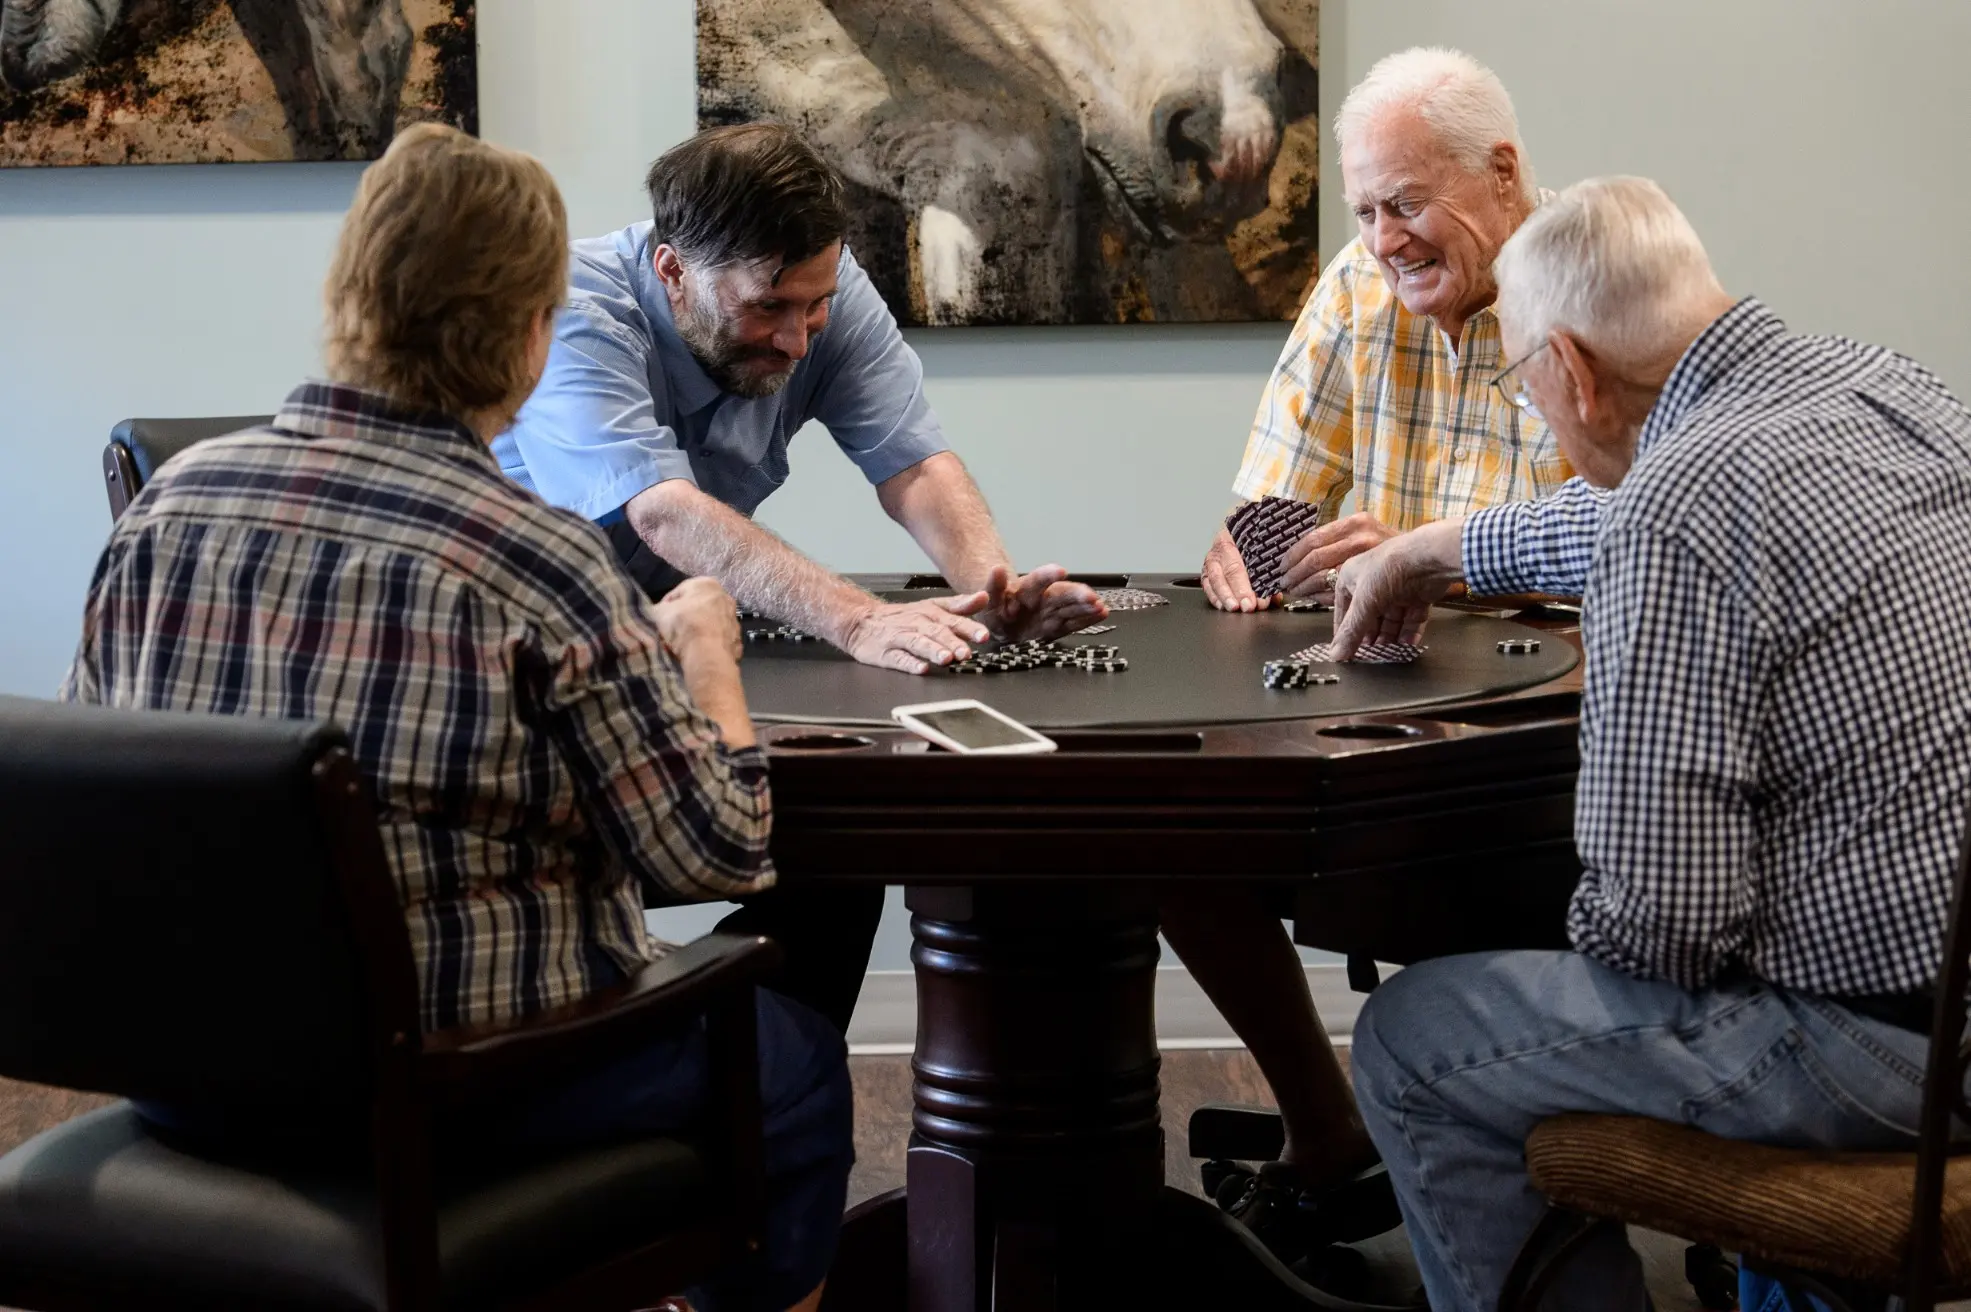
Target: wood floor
(882, 1128)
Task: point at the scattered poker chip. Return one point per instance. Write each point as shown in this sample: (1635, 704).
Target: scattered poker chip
(1369, 653)
(1130, 598)
(1301, 604)
(1518, 646)
(1094, 629)
(1116, 666)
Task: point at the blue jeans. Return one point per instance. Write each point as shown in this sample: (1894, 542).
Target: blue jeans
(1457, 1059)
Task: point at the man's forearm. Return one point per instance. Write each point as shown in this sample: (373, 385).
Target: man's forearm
(712, 679)
(939, 505)
(701, 535)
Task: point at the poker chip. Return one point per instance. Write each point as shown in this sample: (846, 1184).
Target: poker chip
(1302, 604)
(1288, 675)
(1518, 646)
(1094, 629)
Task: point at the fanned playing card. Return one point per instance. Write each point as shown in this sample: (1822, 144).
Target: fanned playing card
(1369, 653)
(1262, 530)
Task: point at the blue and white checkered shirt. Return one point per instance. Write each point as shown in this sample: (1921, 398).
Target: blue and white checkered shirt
(1776, 720)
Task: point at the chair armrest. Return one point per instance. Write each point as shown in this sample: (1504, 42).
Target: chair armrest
(471, 1061)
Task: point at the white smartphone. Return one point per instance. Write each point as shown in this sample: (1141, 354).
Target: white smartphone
(972, 727)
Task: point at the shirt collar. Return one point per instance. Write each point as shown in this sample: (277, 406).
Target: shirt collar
(319, 408)
(1733, 337)
(690, 386)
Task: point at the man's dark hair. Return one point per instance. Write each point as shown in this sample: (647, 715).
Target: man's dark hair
(748, 192)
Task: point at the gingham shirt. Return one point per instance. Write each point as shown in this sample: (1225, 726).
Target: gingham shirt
(534, 755)
(1776, 721)
(1369, 397)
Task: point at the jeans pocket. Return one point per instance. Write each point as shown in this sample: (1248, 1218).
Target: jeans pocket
(1790, 1095)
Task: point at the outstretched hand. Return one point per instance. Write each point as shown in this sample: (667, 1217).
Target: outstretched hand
(915, 636)
(1385, 594)
(1039, 604)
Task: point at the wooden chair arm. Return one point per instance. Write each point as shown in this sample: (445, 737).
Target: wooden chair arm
(470, 1062)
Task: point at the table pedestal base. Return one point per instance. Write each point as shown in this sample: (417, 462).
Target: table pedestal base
(1035, 1164)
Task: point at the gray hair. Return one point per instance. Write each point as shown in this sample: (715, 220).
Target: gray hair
(1612, 262)
(1463, 101)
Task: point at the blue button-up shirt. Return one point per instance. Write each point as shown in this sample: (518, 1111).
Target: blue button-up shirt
(624, 405)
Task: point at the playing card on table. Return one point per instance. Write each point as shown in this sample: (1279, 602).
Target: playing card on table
(1369, 653)
(1262, 530)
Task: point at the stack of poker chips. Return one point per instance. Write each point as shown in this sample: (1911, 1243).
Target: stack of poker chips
(784, 633)
(1287, 675)
(1033, 654)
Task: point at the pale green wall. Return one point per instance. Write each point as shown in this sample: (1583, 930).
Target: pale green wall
(1818, 145)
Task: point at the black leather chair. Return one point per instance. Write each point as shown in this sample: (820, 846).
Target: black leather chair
(197, 910)
(138, 446)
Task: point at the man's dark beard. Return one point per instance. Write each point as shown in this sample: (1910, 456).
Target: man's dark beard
(722, 357)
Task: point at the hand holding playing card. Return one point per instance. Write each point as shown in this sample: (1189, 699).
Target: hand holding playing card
(1223, 575)
(1039, 604)
(1304, 569)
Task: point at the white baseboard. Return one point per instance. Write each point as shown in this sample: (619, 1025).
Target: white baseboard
(886, 1014)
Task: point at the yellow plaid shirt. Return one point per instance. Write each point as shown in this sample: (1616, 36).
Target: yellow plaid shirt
(1369, 397)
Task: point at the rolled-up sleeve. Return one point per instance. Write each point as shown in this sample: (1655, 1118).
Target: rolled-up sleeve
(668, 799)
(870, 394)
(588, 439)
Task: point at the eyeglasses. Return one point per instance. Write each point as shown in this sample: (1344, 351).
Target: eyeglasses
(1513, 388)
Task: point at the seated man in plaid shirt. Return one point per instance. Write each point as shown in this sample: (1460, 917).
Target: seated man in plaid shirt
(1775, 747)
(542, 742)
(1383, 390)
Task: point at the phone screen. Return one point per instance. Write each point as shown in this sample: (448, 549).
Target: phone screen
(973, 727)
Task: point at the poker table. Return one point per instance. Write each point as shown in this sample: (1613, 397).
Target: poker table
(1401, 812)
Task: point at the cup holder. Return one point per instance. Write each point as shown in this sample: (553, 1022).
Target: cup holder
(821, 742)
(1370, 730)
(1187, 581)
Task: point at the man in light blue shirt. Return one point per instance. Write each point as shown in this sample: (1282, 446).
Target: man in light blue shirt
(695, 346)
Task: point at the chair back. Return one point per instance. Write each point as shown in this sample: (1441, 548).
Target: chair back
(193, 909)
(138, 446)
(1944, 1099)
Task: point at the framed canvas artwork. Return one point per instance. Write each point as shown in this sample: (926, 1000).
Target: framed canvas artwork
(201, 81)
(1047, 161)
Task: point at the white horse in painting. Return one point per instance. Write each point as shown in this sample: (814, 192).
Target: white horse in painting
(993, 122)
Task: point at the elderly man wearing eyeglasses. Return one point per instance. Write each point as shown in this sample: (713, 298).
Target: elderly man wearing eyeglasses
(1386, 388)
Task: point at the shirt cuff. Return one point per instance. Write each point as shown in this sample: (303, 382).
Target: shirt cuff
(1485, 547)
(659, 467)
(898, 452)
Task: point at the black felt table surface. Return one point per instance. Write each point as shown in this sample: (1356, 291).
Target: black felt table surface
(1188, 665)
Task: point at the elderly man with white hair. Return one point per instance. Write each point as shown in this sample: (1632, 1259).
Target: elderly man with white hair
(1775, 749)
(1382, 390)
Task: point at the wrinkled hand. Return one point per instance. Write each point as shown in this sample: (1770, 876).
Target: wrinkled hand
(1385, 594)
(915, 636)
(1325, 548)
(1226, 583)
(1041, 604)
(698, 616)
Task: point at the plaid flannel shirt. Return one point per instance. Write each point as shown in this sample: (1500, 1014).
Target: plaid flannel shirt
(1369, 397)
(535, 757)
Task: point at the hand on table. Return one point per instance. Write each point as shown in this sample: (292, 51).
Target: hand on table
(1385, 594)
(1311, 561)
(914, 636)
(1226, 583)
(697, 618)
(1041, 604)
